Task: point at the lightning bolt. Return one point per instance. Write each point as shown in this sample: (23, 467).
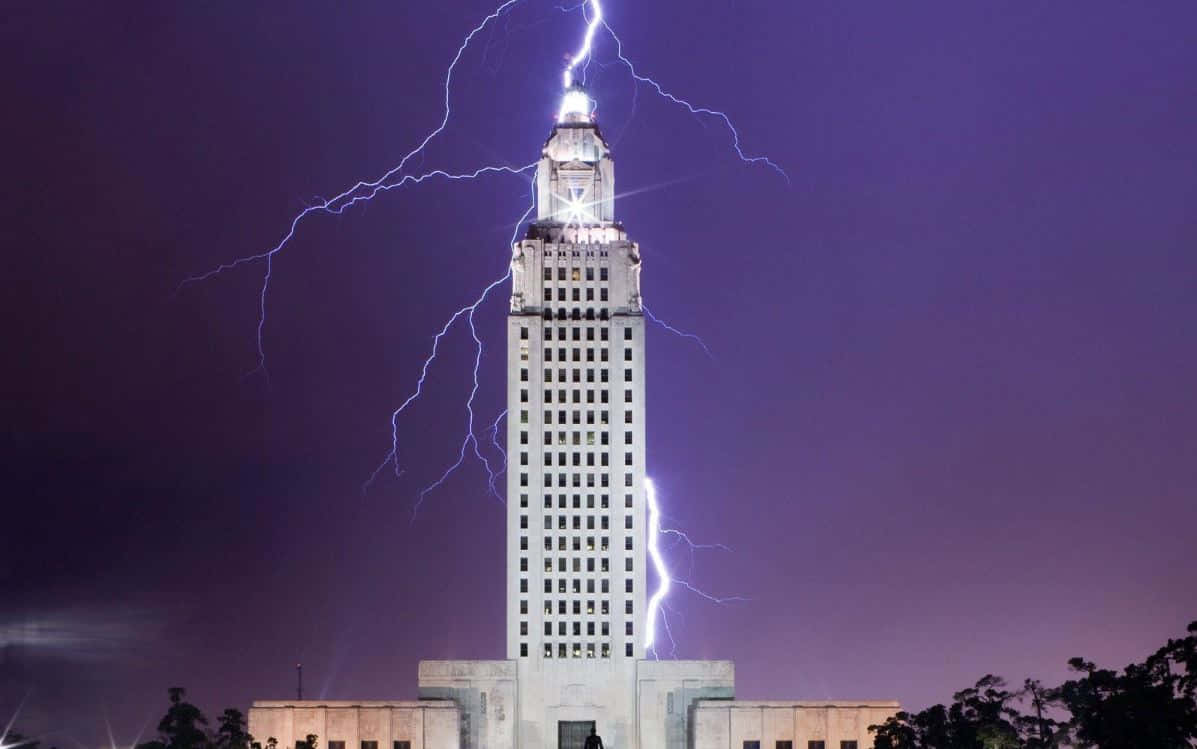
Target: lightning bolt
(666, 580)
(692, 336)
(360, 192)
(690, 107)
(364, 191)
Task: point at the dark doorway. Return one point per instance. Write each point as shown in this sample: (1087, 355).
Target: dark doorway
(572, 734)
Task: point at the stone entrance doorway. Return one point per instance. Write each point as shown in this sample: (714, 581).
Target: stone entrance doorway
(572, 734)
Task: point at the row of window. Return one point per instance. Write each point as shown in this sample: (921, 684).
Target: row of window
(563, 629)
(564, 354)
(563, 438)
(563, 523)
(562, 482)
(564, 651)
(574, 586)
(563, 607)
(365, 745)
(563, 562)
(577, 543)
(577, 333)
(563, 459)
(809, 745)
(576, 296)
(576, 314)
(562, 499)
(563, 397)
(574, 274)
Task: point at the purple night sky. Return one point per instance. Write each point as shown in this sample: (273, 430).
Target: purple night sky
(950, 427)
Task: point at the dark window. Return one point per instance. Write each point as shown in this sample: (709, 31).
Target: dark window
(523, 654)
(627, 650)
(816, 745)
(847, 745)
(627, 336)
(784, 744)
(602, 274)
(336, 745)
(369, 745)
(403, 744)
(752, 745)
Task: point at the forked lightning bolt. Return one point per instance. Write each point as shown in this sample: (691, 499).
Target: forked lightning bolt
(666, 580)
(363, 191)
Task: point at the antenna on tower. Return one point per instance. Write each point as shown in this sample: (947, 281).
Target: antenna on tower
(299, 681)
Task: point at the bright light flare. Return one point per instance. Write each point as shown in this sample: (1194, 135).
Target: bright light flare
(577, 102)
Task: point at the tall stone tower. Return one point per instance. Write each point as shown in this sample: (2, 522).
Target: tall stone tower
(575, 487)
(576, 528)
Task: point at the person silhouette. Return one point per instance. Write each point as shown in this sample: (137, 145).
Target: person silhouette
(594, 741)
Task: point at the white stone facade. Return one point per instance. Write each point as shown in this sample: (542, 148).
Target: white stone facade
(576, 530)
(742, 724)
(390, 725)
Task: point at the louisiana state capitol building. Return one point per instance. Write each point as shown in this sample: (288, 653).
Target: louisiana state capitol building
(578, 650)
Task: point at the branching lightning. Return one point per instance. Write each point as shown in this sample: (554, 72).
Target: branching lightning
(691, 108)
(692, 336)
(364, 191)
(666, 579)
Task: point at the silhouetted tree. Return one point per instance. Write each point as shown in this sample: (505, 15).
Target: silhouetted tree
(181, 727)
(1150, 705)
(309, 742)
(231, 733)
(979, 718)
